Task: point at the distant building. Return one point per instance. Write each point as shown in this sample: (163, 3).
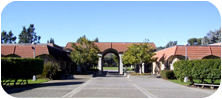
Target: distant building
(48, 52)
(167, 57)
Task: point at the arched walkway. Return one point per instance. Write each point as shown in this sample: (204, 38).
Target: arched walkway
(101, 58)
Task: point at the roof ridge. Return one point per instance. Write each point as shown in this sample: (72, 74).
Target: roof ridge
(47, 49)
(210, 50)
(175, 50)
(14, 50)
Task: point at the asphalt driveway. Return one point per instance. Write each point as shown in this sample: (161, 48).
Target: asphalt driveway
(111, 85)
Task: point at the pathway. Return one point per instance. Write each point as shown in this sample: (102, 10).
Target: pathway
(166, 89)
(112, 85)
(55, 88)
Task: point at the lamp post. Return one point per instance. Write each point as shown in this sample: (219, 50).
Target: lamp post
(33, 43)
(186, 78)
(186, 51)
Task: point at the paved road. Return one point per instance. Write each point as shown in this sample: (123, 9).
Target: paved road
(166, 89)
(55, 88)
(111, 85)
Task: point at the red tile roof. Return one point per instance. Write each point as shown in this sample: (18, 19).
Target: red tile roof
(193, 52)
(165, 54)
(6, 50)
(24, 51)
(120, 47)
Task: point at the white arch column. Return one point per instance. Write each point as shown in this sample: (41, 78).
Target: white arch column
(120, 64)
(100, 68)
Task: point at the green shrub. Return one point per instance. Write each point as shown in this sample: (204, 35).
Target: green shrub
(50, 69)
(20, 68)
(167, 74)
(198, 69)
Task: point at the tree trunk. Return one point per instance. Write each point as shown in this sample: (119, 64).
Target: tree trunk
(16, 79)
(212, 80)
(191, 80)
(26, 81)
(202, 80)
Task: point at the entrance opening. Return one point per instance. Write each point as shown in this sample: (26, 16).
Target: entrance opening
(110, 60)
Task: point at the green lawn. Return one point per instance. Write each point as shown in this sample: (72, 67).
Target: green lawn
(115, 68)
(30, 81)
(217, 82)
(110, 68)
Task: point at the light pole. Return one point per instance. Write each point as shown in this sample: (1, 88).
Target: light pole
(186, 51)
(186, 78)
(33, 43)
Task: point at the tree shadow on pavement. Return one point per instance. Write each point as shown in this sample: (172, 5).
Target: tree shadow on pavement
(22, 88)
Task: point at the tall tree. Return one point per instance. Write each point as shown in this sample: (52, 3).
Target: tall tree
(194, 41)
(85, 52)
(138, 54)
(51, 41)
(171, 43)
(28, 35)
(160, 48)
(214, 36)
(205, 41)
(7, 37)
(96, 40)
(4, 37)
(11, 38)
(199, 41)
(146, 40)
(210, 38)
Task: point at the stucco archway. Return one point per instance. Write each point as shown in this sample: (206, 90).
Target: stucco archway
(101, 58)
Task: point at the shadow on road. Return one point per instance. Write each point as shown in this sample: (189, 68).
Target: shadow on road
(17, 89)
(110, 74)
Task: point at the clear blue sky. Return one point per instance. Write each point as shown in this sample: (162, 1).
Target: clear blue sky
(159, 22)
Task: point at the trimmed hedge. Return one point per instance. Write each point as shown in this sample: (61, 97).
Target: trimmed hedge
(20, 68)
(198, 69)
(167, 74)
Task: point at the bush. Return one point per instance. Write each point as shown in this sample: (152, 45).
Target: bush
(51, 69)
(167, 74)
(198, 69)
(20, 68)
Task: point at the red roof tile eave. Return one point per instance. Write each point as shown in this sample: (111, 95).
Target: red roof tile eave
(24, 50)
(193, 52)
